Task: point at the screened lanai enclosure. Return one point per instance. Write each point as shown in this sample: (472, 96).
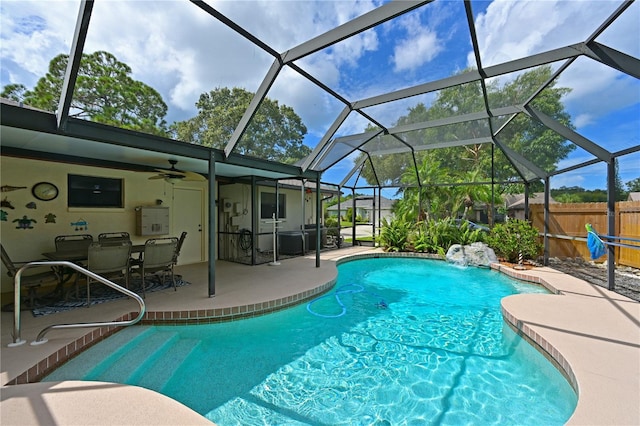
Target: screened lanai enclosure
(381, 98)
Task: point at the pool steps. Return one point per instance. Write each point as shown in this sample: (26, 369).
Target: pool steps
(123, 364)
(143, 349)
(165, 366)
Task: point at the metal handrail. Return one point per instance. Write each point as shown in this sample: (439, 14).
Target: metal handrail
(40, 339)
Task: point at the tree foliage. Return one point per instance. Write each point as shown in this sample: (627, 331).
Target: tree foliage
(634, 185)
(472, 162)
(104, 92)
(577, 194)
(276, 132)
(530, 139)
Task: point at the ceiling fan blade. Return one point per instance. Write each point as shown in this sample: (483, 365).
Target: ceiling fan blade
(171, 172)
(194, 177)
(156, 177)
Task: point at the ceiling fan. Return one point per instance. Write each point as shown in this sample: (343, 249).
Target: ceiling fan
(173, 175)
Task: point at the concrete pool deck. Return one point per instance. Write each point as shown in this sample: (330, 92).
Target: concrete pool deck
(590, 332)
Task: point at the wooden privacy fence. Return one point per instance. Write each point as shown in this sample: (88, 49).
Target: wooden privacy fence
(566, 224)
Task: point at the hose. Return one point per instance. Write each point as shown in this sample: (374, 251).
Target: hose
(358, 289)
(245, 239)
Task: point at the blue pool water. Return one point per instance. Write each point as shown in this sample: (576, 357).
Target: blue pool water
(407, 341)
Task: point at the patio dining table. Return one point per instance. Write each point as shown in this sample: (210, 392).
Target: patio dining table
(75, 256)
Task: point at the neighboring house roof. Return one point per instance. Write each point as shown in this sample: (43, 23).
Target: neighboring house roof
(364, 203)
(516, 201)
(634, 196)
(297, 183)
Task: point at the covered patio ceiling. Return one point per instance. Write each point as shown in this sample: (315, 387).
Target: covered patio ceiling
(346, 154)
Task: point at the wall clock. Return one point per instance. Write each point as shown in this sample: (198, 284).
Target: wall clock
(44, 191)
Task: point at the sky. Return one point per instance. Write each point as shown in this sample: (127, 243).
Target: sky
(182, 52)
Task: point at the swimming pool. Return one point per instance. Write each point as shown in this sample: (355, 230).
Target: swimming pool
(436, 351)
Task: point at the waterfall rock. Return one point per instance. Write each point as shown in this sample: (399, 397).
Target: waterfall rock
(476, 254)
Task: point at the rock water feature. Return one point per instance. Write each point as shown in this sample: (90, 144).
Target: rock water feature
(476, 254)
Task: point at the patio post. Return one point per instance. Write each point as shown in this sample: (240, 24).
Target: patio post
(526, 201)
(255, 218)
(373, 214)
(379, 214)
(611, 222)
(353, 217)
(547, 191)
(339, 216)
(213, 213)
(276, 247)
(318, 215)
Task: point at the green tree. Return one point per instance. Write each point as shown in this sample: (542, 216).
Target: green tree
(104, 93)
(275, 133)
(15, 92)
(634, 185)
(530, 139)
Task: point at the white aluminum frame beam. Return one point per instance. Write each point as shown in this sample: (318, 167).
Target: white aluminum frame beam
(73, 62)
(362, 23)
(253, 107)
(326, 138)
(568, 133)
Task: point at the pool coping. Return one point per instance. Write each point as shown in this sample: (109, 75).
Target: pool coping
(598, 410)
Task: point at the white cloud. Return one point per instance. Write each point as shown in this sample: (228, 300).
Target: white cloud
(510, 30)
(420, 46)
(180, 50)
(32, 34)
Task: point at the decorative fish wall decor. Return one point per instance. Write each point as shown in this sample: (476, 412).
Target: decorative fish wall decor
(6, 203)
(7, 188)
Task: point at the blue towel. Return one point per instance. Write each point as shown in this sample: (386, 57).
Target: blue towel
(594, 243)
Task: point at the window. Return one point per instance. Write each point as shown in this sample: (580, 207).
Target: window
(268, 205)
(91, 191)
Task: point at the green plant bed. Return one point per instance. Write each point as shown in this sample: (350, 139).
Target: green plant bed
(515, 237)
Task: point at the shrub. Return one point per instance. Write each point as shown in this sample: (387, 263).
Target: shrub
(433, 236)
(394, 235)
(513, 237)
(465, 235)
(331, 223)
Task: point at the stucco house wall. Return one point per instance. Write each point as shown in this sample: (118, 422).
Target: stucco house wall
(24, 244)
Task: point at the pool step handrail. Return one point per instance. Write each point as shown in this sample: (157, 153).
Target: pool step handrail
(17, 341)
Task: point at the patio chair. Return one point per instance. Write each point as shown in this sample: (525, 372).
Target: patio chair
(32, 279)
(113, 238)
(179, 247)
(108, 261)
(73, 243)
(159, 255)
